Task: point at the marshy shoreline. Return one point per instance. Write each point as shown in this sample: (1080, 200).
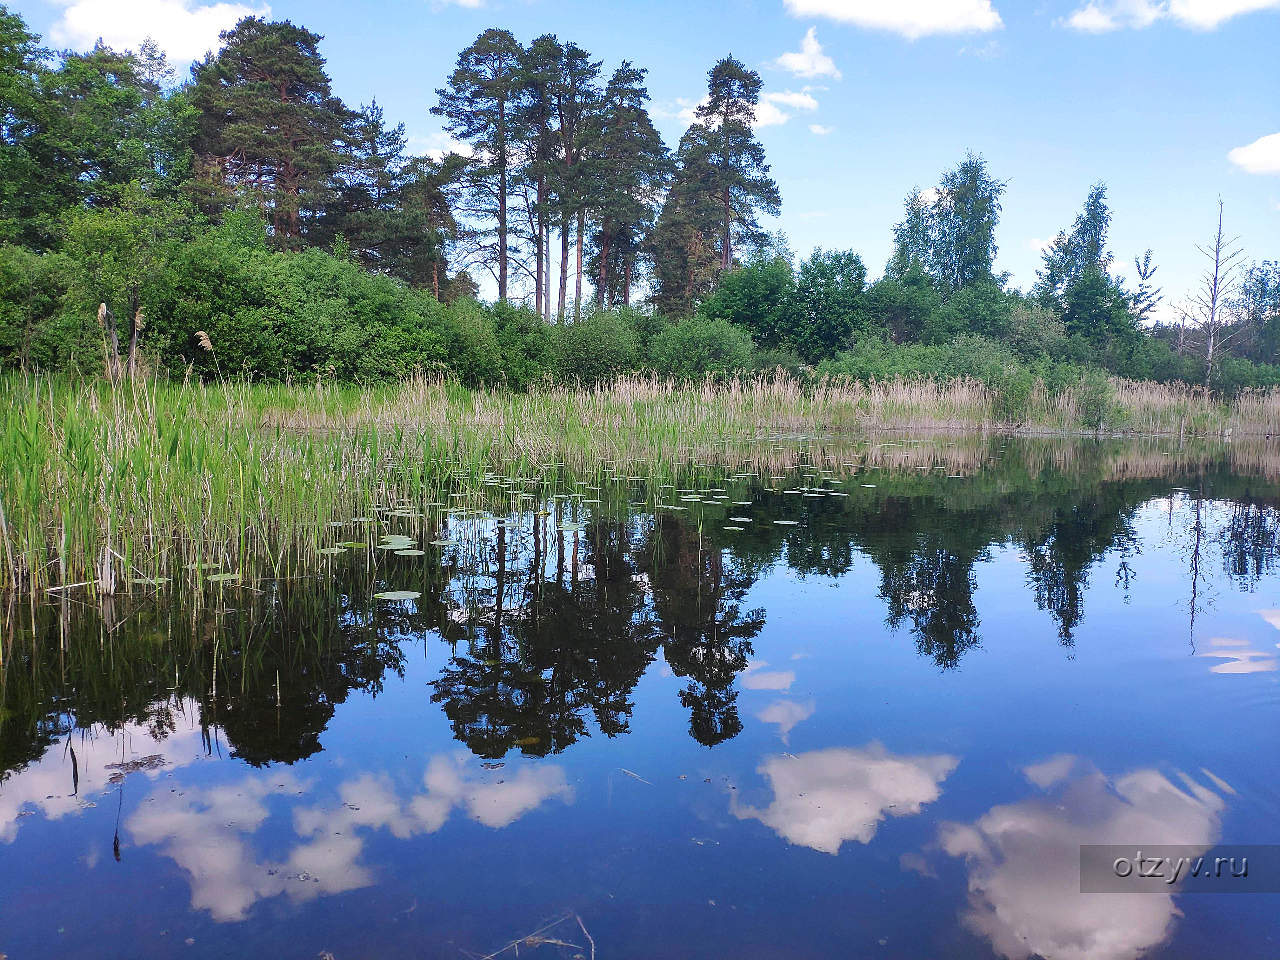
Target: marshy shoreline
(121, 488)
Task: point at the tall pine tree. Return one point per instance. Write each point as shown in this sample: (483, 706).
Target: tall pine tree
(270, 128)
(478, 105)
(631, 169)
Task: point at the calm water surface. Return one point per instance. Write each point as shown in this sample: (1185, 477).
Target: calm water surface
(881, 728)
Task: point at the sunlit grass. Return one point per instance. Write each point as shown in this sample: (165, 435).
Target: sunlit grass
(121, 489)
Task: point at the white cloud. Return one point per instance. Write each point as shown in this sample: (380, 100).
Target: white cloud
(910, 18)
(1103, 16)
(1261, 156)
(771, 111)
(823, 798)
(437, 145)
(1022, 860)
(755, 677)
(1238, 657)
(809, 61)
(1036, 245)
(1207, 14)
(801, 100)
(183, 29)
(820, 130)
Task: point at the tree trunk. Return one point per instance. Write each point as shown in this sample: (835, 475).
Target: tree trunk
(110, 342)
(539, 258)
(626, 283)
(564, 266)
(577, 283)
(133, 343)
(502, 203)
(435, 278)
(604, 260)
(727, 257)
(546, 297)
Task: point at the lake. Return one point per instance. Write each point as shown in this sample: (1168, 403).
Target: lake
(835, 700)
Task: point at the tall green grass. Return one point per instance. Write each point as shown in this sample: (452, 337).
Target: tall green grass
(112, 489)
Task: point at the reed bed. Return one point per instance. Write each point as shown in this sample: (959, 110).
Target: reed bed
(111, 489)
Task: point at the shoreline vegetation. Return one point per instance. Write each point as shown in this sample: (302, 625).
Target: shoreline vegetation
(124, 489)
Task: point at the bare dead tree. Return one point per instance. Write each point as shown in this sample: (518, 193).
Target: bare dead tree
(1206, 312)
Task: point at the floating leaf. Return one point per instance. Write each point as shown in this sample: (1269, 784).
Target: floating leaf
(786, 523)
(398, 595)
(223, 577)
(331, 551)
(410, 553)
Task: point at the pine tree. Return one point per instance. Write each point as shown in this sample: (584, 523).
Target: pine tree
(365, 209)
(575, 97)
(631, 170)
(478, 106)
(270, 129)
(535, 122)
(683, 245)
(738, 175)
(417, 250)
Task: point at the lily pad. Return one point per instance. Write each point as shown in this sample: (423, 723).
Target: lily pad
(410, 553)
(223, 577)
(398, 595)
(332, 551)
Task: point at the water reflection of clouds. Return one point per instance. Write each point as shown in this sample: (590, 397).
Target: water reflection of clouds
(1023, 860)
(786, 714)
(755, 677)
(207, 831)
(825, 797)
(50, 786)
(1238, 656)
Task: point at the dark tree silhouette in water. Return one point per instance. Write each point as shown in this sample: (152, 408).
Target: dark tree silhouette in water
(706, 635)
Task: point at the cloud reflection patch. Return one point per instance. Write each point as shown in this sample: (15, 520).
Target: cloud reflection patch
(208, 832)
(1023, 860)
(825, 797)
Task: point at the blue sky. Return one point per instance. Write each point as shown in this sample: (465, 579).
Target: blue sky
(867, 98)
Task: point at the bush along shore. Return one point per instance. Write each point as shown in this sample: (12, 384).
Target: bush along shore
(123, 487)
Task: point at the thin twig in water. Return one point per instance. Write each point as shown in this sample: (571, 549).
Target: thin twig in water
(632, 773)
(590, 939)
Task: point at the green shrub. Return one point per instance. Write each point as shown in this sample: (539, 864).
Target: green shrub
(598, 347)
(695, 347)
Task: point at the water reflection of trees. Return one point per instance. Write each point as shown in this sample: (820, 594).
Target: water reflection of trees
(540, 655)
(551, 619)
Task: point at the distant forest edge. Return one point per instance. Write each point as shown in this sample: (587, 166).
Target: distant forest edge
(247, 222)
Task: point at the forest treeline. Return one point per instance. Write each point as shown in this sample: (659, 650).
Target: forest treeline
(244, 220)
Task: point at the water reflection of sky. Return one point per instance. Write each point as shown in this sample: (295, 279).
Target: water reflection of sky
(914, 789)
